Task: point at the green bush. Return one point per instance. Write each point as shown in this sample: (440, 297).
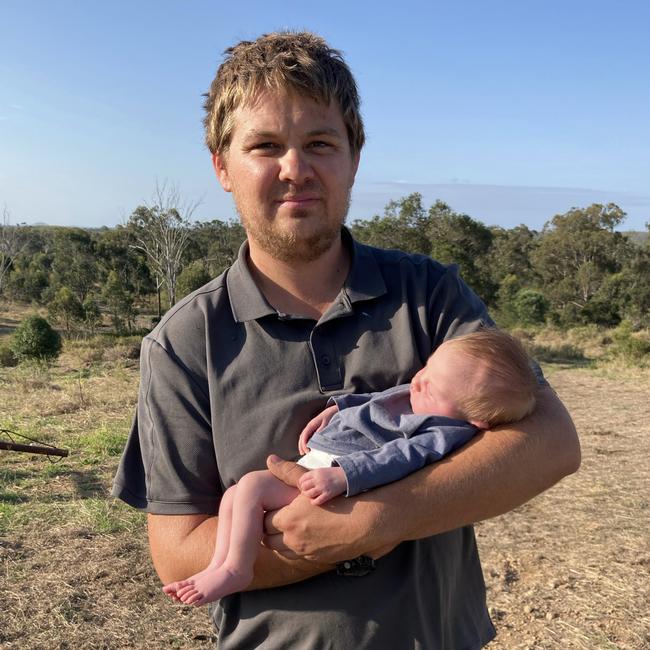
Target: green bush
(7, 357)
(530, 307)
(34, 338)
(634, 349)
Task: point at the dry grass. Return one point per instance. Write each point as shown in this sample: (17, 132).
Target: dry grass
(571, 569)
(568, 570)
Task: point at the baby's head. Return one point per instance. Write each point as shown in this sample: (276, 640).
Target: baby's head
(485, 378)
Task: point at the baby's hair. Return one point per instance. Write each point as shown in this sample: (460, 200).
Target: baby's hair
(507, 392)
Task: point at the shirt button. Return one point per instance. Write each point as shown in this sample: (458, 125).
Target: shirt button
(326, 360)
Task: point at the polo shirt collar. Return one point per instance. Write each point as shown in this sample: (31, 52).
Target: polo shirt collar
(246, 300)
(364, 281)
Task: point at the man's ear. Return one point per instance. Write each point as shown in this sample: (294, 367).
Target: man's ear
(219, 164)
(480, 424)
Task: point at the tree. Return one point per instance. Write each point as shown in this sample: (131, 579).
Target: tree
(510, 254)
(74, 261)
(161, 231)
(119, 303)
(459, 239)
(66, 308)
(577, 251)
(92, 314)
(29, 278)
(403, 225)
(192, 277)
(216, 243)
(10, 246)
(116, 252)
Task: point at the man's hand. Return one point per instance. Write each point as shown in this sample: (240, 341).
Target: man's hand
(314, 425)
(336, 532)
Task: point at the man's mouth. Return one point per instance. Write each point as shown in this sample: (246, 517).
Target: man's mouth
(300, 200)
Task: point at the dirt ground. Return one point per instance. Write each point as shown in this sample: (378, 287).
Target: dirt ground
(571, 569)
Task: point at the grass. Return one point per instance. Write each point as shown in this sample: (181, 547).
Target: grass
(106, 517)
(105, 441)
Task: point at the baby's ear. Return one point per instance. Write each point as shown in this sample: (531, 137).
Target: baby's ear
(480, 424)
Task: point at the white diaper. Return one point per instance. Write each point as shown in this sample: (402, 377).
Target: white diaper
(315, 459)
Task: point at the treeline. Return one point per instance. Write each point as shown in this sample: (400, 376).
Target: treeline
(577, 270)
(157, 257)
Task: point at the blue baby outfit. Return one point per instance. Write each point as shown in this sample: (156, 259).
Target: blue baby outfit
(378, 439)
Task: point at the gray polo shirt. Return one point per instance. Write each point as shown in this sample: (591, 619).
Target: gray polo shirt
(226, 380)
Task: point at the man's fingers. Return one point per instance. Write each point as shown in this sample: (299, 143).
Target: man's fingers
(276, 543)
(285, 470)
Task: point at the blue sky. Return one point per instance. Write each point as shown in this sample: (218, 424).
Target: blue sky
(510, 111)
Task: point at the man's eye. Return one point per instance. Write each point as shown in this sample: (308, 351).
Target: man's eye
(319, 144)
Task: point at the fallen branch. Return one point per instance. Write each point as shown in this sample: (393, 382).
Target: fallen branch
(33, 449)
(35, 446)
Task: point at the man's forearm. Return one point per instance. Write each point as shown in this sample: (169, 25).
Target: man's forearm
(494, 473)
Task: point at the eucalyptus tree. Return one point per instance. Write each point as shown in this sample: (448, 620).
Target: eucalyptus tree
(161, 232)
(11, 244)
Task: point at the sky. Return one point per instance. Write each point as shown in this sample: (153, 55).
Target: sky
(510, 111)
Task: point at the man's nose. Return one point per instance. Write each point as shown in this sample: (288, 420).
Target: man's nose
(295, 167)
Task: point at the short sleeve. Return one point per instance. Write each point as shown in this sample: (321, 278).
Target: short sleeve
(454, 309)
(169, 464)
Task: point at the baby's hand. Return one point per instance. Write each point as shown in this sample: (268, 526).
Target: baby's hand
(314, 425)
(323, 484)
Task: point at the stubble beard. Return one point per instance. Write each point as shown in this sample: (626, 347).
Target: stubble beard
(291, 247)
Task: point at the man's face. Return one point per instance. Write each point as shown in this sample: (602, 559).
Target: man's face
(290, 169)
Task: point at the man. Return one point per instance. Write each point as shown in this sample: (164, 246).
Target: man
(234, 371)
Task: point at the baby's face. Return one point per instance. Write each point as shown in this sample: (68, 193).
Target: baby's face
(436, 389)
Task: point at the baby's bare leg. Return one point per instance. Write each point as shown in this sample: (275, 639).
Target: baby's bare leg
(256, 493)
(224, 527)
(220, 548)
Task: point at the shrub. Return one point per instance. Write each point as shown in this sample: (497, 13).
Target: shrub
(34, 338)
(634, 349)
(530, 306)
(7, 357)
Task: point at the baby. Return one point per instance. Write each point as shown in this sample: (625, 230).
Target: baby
(361, 441)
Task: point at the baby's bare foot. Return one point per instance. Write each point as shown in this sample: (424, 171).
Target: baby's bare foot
(208, 586)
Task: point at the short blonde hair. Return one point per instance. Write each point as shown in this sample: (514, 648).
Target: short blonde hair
(299, 62)
(508, 393)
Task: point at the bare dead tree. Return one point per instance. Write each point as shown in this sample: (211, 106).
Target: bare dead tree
(162, 229)
(10, 246)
